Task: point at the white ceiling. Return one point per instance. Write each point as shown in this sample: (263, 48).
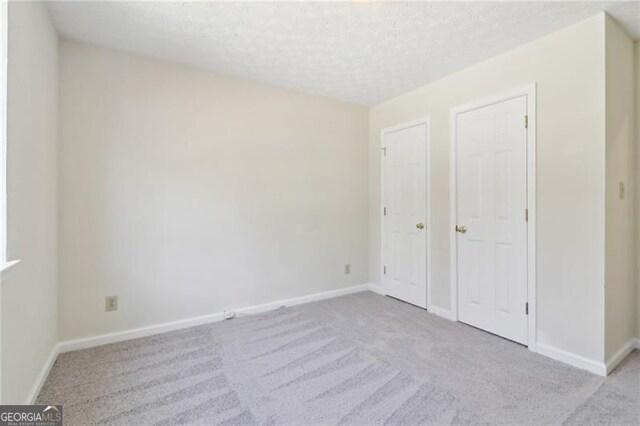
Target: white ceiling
(358, 52)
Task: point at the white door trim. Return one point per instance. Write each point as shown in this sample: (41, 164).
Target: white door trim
(427, 122)
(530, 91)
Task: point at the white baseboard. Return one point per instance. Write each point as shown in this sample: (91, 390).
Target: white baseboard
(303, 299)
(376, 289)
(119, 336)
(578, 361)
(441, 312)
(134, 333)
(622, 353)
(42, 377)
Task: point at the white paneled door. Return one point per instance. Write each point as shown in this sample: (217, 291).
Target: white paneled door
(491, 186)
(404, 213)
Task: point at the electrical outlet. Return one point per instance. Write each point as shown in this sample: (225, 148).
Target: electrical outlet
(111, 303)
(229, 315)
(347, 269)
(621, 190)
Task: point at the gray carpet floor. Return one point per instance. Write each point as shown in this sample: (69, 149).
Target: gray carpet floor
(358, 359)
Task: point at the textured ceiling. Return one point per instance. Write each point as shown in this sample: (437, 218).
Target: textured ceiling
(358, 52)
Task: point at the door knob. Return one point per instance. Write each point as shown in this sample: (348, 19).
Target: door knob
(461, 229)
(420, 225)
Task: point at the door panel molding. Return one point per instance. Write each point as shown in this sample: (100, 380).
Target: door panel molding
(426, 121)
(529, 91)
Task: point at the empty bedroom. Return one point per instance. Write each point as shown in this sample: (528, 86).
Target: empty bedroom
(319, 213)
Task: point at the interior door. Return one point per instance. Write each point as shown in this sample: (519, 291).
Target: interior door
(404, 220)
(491, 169)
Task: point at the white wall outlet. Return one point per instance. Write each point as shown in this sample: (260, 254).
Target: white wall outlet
(347, 269)
(229, 315)
(111, 303)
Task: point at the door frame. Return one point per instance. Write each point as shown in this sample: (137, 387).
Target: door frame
(426, 120)
(530, 91)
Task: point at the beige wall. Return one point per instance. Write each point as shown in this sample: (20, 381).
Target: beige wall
(620, 304)
(186, 193)
(29, 293)
(568, 67)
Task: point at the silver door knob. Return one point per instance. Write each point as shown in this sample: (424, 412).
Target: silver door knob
(420, 225)
(461, 229)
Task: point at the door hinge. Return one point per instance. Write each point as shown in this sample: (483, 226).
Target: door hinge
(526, 308)
(384, 210)
(526, 121)
(384, 151)
(526, 215)
(384, 270)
